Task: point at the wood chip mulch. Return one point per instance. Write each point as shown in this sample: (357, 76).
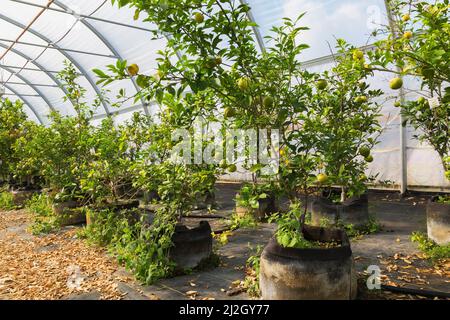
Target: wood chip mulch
(53, 266)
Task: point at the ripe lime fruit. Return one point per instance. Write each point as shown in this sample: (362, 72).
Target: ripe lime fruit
(369, 158)
(133, 69)
(358, 55)
(322, 178)
(407, 35)
(396, 83)
(397, 104)
(362, 177)
(447, 174)
(229, 112)
(421, 100)
(361, 99)
(243, 83)
(268, 101)
(321, 84)
(199, 17)
(364, 151)
(232, 168)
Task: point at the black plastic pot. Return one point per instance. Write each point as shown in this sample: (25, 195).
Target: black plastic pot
(438, 221)
(22, 196)
(309, 274)
(354, 210)
(191, 246)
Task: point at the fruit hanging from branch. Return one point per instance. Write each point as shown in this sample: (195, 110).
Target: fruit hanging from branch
(396, 83)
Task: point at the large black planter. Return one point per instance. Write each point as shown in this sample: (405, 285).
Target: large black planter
(438, 221)
(191, 246)
(20, 197)
(353, 211)
(309, 274)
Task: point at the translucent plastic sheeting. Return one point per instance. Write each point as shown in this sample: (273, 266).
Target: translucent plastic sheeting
(94, 33)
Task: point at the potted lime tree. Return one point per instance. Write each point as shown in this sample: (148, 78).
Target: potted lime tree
(347, 130)
(15, 131)
(303, 261)
(416, 46)
(63, 149)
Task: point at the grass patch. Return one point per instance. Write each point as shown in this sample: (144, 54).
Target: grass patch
(251, 281)
(433, 251)
(242, 222)
(44, 220)
(6, 201)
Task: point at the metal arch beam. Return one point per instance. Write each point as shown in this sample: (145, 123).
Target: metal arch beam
(29, 105)
(69, 57)
(256, 30)
(37, 64)
(32, 86)
(108, 45)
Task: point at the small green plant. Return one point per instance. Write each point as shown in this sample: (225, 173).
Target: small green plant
(141, 248)
(289, 233)
(251, 281)
(352, 231)
(443, 199)
(242, 222)
(44, 220)
(250, 194)
(433, 251)
(6, 201)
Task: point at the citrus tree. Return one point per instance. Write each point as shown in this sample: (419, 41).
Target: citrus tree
(12, 126)
(64, 147)
(345, 120)
(418, 45)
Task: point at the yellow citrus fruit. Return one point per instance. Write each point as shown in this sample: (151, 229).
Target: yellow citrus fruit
(407, 35)
(361, 99)
(244, 83)
(358, 55)
(199, 17)
(321, 84)
(229, 112)
(322, 178)
(133, 69)
(406, 17)
(396, 83)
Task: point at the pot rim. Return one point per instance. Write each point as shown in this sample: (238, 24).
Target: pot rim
(323, 254)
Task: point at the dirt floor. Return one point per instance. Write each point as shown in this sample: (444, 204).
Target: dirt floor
(62, 266)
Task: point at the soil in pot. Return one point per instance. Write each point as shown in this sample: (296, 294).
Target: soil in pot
(319, 273)
(191, 246)
(438, 221)
(353, 211)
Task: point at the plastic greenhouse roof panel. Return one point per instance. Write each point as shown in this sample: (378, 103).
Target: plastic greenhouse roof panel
(94, 33)
(327, 19)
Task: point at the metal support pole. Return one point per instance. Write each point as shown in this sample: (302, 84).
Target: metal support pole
(403, 154)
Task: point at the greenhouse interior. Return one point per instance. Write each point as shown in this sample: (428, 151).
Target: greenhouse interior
(224, 150)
